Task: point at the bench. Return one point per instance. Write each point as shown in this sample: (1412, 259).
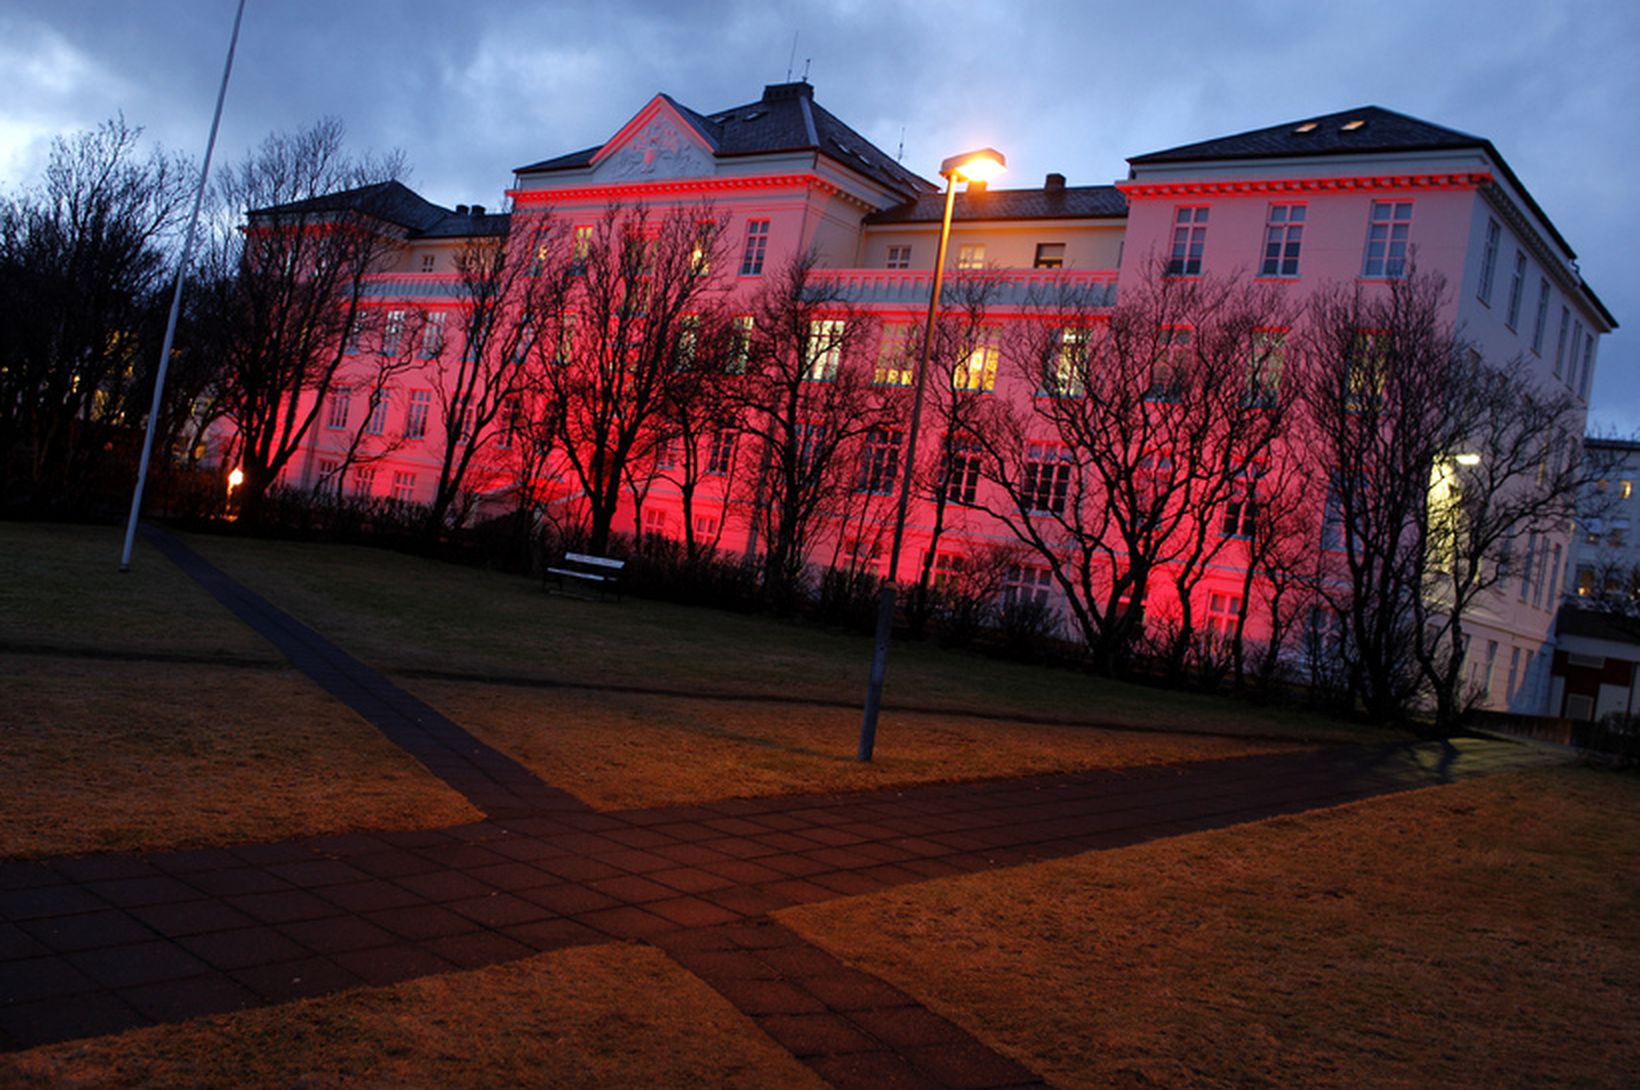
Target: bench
(599, 571)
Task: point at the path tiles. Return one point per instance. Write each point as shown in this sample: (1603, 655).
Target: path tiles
(491, 781)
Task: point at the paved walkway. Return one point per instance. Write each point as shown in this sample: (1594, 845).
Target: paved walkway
(96, 944)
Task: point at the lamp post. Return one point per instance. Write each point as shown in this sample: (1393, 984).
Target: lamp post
(973, 166)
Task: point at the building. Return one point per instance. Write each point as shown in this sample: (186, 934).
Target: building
(1349, 198)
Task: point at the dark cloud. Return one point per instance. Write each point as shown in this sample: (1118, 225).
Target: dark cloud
(469, 90)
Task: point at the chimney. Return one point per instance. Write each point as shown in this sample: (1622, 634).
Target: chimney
(774, 92)
(478, 209)
(977, 186)
(461, 210)
(1055, 183)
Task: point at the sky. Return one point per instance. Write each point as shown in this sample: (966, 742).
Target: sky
(470, 89)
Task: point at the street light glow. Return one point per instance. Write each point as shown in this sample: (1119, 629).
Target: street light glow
(974, 166)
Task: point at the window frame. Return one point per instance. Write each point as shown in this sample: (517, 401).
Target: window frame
(1283, 239)
(1395, 240)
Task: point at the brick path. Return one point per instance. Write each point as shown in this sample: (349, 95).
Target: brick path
(97, 944)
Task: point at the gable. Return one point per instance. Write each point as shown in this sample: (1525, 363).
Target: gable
(659, 142)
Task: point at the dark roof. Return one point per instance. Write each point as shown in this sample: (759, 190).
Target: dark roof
(398, 204)
(1380, 130)
(785, 119)
(1068, 202)
(1596, 624)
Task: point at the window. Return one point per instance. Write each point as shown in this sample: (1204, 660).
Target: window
(327, 472)
(1560, 339)
(1542, 319)
(740, 343)
(879, 461)
(392, 333)
(377, 421)
(971, 255)
(687, 345)
(899, 257)
(1588, 366)
(404, 487)
(1047, 479)
(1189, 236)
(977, 373)
(1222, 610)
(1517, 285)
(1527, 568)
(355, 335)
(947, 568)
(415, 420)
(364, 481)
(1387, 234)
(1332, 519)
(654, 521)
(580, 248)
(895, 367)
(1514, 672)
(1049, 255)
(1625, 489)
(700, 256)
(1241, 512)
(1368, 371)
(811, 446)
(341, 399)
(1170, 365)
(432, 336)
(511, 417)
(757, 245)
(824, 351)
(706, 525)
(1489, 261)
(721, 457)
(1283, 234)
(427, 263)
(960, 481)
(1023, 585)
(1067, 369)
(1269, 358)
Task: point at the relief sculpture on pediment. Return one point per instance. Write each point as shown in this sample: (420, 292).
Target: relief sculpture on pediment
(659, 150)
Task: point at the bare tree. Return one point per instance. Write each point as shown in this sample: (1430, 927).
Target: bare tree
(82, 265)
(808, 402)
(636, 281)
(318, 224)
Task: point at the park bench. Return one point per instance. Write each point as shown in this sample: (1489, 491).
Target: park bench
(599, 571)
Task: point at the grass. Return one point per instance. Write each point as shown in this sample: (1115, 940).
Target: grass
(119, 756)
(1482, 934)
(588, 1017)
(60, 587)
(620, 750)
(405, 614)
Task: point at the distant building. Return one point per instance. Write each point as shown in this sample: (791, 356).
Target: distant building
(1350, 197)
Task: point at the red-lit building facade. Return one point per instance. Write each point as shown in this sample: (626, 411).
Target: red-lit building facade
(1349, 198)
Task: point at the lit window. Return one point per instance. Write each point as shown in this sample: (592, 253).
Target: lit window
(1283, 235)
(1189, 239)
(1517, 286)
(879, 461)
(1050, 255)
(757, 245)
(899, 257)
(1265, 367)
(1489, 261)
(392, 333)
(1171, 365)
(740, 344)
(404, 487)
(1368, 371)
(895, 367)
(977, 373)
(971, 255)
(824, 351)
(1625, 489)
(341, 399)
(1387, 237)
(415, 420)
(580, 248)
(1047, 479)
(1066, 373)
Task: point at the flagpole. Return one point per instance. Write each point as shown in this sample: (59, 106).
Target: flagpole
(176, 301)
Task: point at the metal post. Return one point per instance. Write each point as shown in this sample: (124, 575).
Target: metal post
(176, 303)
(885, 605)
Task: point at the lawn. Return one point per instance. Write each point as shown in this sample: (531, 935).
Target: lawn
(1483, 934)
(119, 756)
(600, 1016)
(406, 614)
(623, 750)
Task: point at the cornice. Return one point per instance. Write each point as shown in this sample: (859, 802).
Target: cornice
(1371, 183)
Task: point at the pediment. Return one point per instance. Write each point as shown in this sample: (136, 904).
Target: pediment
(658, 143)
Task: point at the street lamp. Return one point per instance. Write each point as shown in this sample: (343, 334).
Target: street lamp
(974, 166)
